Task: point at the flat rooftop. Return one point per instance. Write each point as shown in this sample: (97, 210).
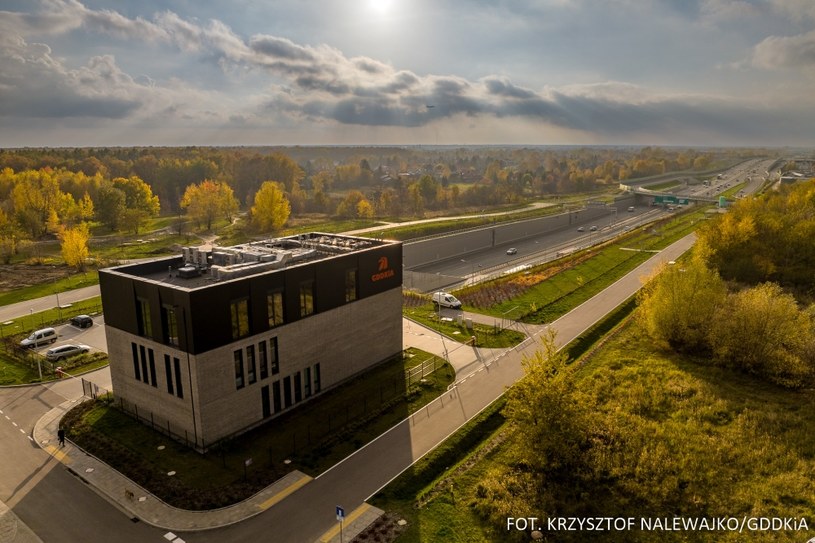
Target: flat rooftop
(205, 265)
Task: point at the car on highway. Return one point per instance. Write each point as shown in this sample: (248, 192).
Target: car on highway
(593, 228)
(581, 229)
(66, 351)
(512, 251)
(82, 321)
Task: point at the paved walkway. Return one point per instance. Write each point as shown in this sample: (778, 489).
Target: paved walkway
(302, 506)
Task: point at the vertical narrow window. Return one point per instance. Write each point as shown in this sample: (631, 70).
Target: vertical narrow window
(136, 370)
(317, 378)
(350, 285)
(287, 392)
(143, 317)
(274, 307)
(264, 401)
(169, 322)
(306, 298)
(273, 357)
(298, 388)
(240, 317)
(152, 367)
(307, 382)
(238, 369)
(276, 396)
(143, 358)
(178, 390)
(263, 360)
(251, 371)
(168, 373)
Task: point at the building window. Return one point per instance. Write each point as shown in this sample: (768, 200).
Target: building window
(152, 367)
(136, 370)
(287, 392)
(238, 369)
(298, 388)
(250, 364)
(143, 317)
(169, 321)
(274, 306)
(168, 373)
(316, 378)
(276, 396)
(306, 298)
(307, 382)
(263, 361)
(350, 285)
(273, 357)
(143, 357)
(264, 401)
(240, 318)
(178, 390)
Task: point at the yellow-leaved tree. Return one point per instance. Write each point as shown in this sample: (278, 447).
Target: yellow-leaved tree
(270, 209)
(75, 245)
(207, 200)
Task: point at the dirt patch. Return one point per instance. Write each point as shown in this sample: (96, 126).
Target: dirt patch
(14, 276)
(384, 530)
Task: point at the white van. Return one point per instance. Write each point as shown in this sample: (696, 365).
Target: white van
(442, 299)
(39, 337)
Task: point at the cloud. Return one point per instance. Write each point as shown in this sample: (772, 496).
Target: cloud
(320, 85)
(785, 52)
(34, 84)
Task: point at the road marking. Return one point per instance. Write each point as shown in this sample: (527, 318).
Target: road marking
(355, 514)
(283, 493)
(58, 454)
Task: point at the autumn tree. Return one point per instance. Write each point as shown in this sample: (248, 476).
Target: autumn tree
(545, 410)
(271, 209)
(762, 330)
(74, 245)
(207, 200)
(9, 237)
(348, 207)
(109, 207)
(365, 210)
(140, 202)
(679, 303)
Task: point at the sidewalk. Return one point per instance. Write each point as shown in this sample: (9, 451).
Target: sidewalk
(307, 513)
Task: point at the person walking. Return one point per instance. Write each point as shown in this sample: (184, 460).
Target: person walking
(61, 437)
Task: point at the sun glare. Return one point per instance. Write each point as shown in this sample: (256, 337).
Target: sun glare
(380, 6)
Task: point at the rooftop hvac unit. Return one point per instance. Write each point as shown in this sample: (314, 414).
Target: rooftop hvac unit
(202, 259)
(187, 252)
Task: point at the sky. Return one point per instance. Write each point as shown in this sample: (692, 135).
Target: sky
(407, 72)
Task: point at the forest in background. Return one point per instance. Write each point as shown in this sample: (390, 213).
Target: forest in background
(71, 193)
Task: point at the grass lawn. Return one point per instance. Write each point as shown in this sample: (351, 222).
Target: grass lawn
(692, 441)
(312, 439)
(72, 281)
(485, 336)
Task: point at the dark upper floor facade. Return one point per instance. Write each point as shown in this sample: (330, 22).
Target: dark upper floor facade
(211, 297)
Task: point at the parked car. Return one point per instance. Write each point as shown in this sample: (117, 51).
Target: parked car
(39, 337)
(512, 251)
(593, 228)
(442, 299)
(581, 229)
(630, 208)
(82, 321)
(65, 351)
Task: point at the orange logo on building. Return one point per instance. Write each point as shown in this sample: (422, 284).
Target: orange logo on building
(384, 270)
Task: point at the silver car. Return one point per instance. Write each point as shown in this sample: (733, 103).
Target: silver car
(65, 351)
